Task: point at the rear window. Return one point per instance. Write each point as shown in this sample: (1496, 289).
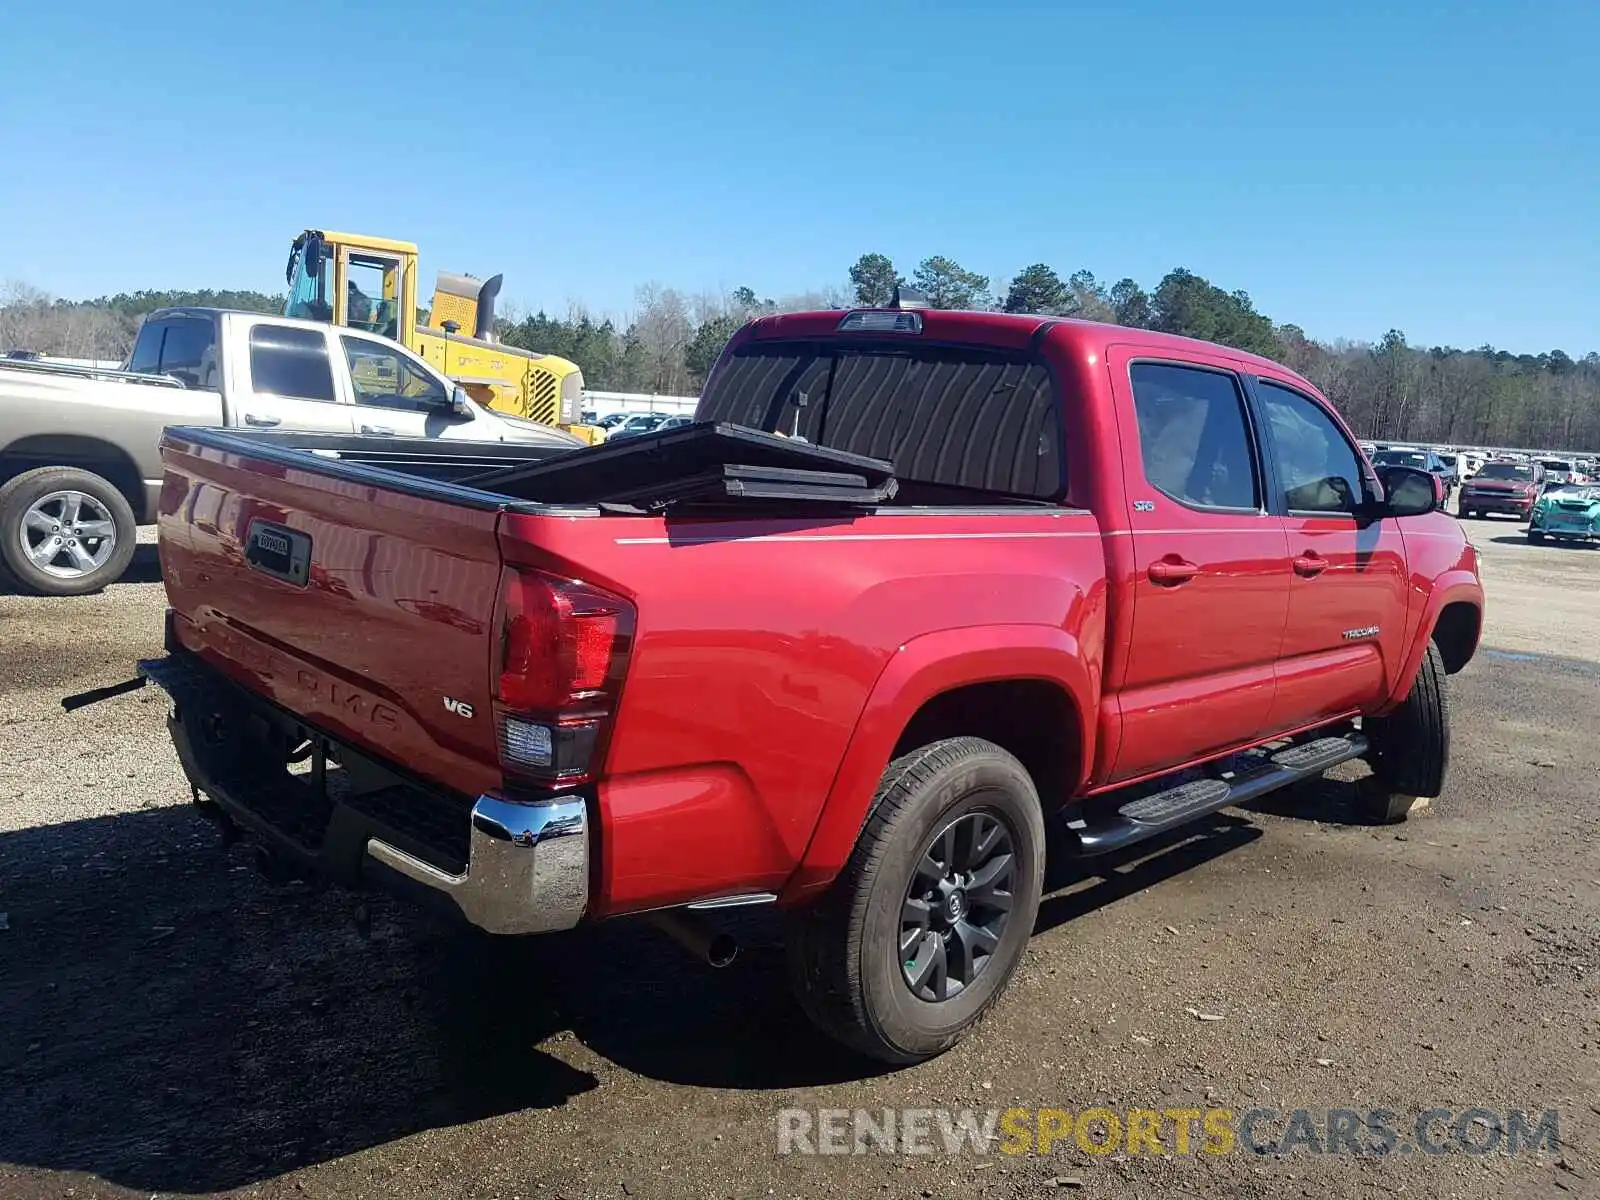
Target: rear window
(285, 361)
(950, 417)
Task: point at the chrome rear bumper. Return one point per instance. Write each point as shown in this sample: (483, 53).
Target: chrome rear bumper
(523, 865)
(528, 871)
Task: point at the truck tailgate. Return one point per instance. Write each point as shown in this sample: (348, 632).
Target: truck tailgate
(364, 609)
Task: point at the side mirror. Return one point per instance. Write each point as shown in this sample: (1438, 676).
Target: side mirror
(1409, 492)
(313, 255)
(460, 402)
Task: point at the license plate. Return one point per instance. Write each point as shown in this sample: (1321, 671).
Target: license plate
(282, 553)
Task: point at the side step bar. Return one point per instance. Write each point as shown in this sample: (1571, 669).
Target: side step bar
(1157, 813)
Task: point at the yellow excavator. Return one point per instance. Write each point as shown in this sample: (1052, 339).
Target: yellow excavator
(370, 283)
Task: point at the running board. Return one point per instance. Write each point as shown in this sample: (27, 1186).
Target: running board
(1164, 810)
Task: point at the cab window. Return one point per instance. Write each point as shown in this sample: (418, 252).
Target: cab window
(1192, 436)
(957, 422)
(386, 377)
(1318, 468)
(290, 362)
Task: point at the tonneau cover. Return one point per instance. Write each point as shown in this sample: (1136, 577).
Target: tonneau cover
(709, 460)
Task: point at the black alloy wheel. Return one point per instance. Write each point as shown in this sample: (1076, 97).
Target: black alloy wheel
(957, 905)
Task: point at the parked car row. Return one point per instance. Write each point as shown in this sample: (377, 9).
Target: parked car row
(632, 424)
(1460, 465)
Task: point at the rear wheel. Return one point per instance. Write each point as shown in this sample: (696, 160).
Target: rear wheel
(1535, 535)
(925, 925)
(1410, 747)
(65, 531)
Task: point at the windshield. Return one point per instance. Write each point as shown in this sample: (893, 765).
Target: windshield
(1448, 460)
(1401, 458)
(1574, 491)
(1506, 471)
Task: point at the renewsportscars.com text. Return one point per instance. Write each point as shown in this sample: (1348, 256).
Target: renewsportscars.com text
(1166, 1131)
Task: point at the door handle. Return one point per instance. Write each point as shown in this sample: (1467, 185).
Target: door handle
(258, 419)
(1170, 573)
(381, 430)
(1310, 564)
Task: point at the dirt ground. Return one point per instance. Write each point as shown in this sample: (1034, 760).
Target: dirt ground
(169, 1023)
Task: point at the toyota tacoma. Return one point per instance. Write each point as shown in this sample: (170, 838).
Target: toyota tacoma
(915, 586)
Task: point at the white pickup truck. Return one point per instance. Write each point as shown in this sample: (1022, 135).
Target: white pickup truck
(79, 464)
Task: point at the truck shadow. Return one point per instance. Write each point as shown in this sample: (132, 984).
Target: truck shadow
(1329, 801)
(145, 567)
(175, 1024)
(1076, 887)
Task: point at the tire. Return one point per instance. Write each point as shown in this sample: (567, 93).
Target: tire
(53, 493)
(1410, 748)
(844, 951)
(1535, 536)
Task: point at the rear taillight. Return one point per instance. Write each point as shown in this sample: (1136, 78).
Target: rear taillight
(563, 647)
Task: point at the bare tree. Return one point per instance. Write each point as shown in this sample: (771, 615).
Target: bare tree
(31, 320)
(663, 329)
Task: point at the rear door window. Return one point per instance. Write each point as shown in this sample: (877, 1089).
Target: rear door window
(1193, 438)
(285, 361)
(966, 420)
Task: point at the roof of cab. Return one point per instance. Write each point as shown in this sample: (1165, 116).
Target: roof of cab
(1013, 331)
(195, 310)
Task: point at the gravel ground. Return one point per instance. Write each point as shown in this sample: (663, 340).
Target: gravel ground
(172, 1024)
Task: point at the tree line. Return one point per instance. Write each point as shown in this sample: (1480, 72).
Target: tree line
(1387, 390)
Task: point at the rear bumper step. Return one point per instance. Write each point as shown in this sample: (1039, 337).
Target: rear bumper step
(506, 866)
(1156, 813)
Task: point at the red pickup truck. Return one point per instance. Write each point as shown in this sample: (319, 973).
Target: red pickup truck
(1119, 580)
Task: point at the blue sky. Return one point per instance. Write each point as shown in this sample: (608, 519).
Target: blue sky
(1353, 166)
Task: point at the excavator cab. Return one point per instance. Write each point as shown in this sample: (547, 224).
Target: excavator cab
(370, 284)
(362, 283)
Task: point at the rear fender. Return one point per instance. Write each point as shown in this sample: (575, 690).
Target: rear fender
(923, 668)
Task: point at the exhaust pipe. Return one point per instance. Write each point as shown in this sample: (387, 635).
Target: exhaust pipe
(712, 946)
(487, 295)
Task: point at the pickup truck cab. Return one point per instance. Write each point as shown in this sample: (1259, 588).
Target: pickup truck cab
(1123, 579)
(79, 447)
